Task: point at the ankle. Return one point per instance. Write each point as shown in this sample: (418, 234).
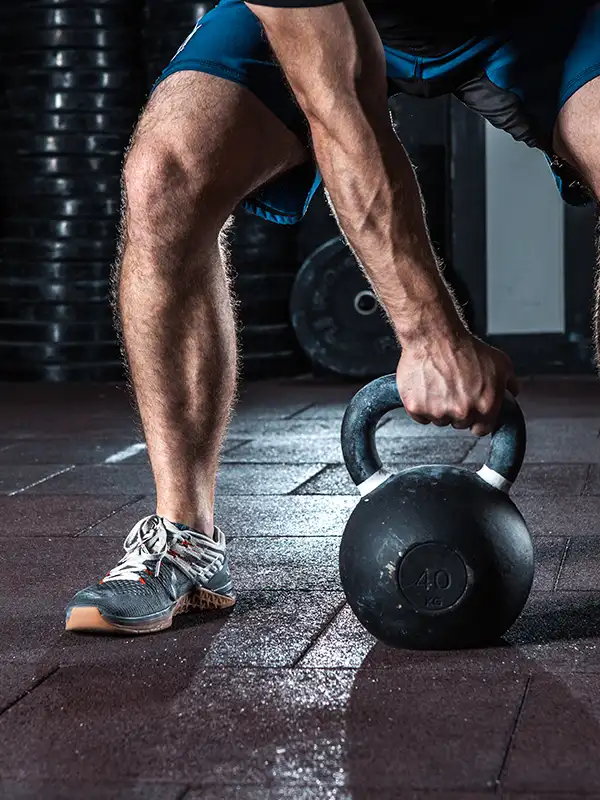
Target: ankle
(203, 523)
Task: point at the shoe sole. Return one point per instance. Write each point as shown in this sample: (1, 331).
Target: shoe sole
(89, 618)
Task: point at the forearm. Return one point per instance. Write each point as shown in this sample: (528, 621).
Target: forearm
(335, 63)
(374, 192)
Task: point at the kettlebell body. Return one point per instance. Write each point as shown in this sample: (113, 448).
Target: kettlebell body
(434, 557)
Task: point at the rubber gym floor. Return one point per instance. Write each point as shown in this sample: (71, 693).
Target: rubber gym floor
(287, 697)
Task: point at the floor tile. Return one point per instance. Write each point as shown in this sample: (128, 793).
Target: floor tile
(102, 790)
(304, 726)
(558, 632)
(592, 484)
(248, 516)
(548, 554)
(62, 451)
(557, 480)
(283, 450)
(263, 479)
(271, 628)
(286, 563)
(15, 478)
(562, 516)
(284, 516)
(321, 792)
(581, 568)
(100, 479)
(25, 515)
(17, 679)
(557, 740)
(558, 441)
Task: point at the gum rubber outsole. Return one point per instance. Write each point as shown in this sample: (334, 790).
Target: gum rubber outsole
(90, 619)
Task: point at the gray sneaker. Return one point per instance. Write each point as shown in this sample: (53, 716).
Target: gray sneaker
(167, 569)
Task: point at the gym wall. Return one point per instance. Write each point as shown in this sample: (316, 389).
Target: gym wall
(526, 257)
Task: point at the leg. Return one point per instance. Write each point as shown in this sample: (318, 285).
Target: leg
(202, 145)
(221, 127)
(577, 140)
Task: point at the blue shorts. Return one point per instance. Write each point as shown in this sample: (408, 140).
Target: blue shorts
(518, 79)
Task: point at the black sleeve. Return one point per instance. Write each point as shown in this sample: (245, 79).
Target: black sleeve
(294, 3)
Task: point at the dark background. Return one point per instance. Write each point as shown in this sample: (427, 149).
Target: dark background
(74, 77)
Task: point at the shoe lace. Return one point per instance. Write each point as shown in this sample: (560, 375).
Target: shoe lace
(148, 544)
(145, 547)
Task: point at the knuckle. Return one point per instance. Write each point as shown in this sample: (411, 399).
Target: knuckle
(413, 407)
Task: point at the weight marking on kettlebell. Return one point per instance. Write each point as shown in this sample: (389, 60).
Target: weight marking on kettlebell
(432, 577)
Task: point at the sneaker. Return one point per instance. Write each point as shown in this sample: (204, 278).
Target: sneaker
(167, 569)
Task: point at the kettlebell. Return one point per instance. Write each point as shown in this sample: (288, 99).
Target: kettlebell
(434, 557)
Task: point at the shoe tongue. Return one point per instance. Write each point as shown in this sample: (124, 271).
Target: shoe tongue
(150, 533)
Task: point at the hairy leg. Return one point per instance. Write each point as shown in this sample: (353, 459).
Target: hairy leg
(202, 144)
(577, 140)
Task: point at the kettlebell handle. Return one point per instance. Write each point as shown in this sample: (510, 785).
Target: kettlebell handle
(367, 407)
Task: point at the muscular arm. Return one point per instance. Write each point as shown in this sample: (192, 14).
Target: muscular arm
(334, 61)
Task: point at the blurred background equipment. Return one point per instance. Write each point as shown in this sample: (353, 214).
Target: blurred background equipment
(74, 75)
(337, 318)
(71, 76)
(167, 23)
(263, 259)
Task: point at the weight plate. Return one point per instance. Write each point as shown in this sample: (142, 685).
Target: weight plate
(29, 58)
(91, 229)
(56, 271)
(61, 38)
(101, 372)
(99, 312)
(84, 80)
(62, 208)
(180, 14)
(73, 187)
(56, 332)
(316, 227)
(133, 8)
(62, 143)
(82, 16)
(256, 244)
(264, 299)
(267, 338)
(34, 99)
(50, 250)
(54, 291)
(337, 319)
(83, 122)
(41, 166)
(14, 353)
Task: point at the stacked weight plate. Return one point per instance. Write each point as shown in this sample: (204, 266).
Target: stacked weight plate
(73, 87)
(337, 318)
(167, 24)
(263, 256)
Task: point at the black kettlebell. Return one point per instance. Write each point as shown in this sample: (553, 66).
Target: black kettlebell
(434, 557)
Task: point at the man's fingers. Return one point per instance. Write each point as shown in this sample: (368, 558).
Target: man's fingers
(481, 429)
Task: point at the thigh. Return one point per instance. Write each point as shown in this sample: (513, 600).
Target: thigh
(542, 61)
(224, 98)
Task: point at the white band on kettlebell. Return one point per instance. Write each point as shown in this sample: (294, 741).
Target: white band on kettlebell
(494, 479)
(376, 479)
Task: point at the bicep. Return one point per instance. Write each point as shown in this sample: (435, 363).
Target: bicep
(331, 55)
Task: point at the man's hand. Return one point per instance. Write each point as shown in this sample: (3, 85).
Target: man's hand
(454, 380)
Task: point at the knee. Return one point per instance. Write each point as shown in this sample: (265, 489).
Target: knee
(167, 188)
